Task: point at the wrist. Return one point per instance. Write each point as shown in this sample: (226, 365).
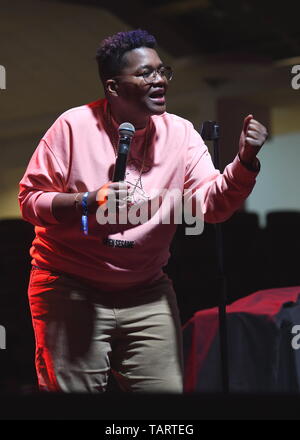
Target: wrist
(252, 164)
(90, 202)
(78, 203)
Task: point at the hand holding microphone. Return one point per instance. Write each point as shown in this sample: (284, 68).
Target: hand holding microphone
(117, 190)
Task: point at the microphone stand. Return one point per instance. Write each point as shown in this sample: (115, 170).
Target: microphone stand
(211, 131)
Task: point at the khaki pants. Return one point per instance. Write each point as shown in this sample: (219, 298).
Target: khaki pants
(82, 334)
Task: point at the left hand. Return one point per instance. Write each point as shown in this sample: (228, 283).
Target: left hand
(252, 138)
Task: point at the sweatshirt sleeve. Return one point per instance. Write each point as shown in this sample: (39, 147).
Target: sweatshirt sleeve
(42, 181)
(216, 195)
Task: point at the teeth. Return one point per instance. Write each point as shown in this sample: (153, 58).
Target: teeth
(157, 95)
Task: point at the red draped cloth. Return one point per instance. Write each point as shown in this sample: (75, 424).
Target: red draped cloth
(260, 350)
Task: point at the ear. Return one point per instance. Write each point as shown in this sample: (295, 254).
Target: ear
(111, 86)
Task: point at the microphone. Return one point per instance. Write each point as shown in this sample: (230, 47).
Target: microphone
(126, 133)
(210, 131)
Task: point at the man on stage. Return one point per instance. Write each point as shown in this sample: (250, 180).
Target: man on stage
(99, 299)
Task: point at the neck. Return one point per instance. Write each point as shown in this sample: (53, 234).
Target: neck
(138, 121)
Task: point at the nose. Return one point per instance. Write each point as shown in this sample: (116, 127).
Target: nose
(158, 78)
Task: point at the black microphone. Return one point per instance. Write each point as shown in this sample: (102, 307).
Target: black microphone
(126, 133)
(210, 131)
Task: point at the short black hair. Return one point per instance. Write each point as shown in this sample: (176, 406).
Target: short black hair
(110, 53)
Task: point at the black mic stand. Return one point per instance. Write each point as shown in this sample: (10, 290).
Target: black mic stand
(210, 131)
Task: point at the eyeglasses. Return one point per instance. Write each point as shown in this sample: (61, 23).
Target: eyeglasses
(150, 75)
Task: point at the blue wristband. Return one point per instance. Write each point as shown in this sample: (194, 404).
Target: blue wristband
(84, 217)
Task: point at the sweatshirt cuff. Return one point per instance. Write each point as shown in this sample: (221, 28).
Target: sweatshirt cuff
(241, 173)
(255, 166)
(43, 207)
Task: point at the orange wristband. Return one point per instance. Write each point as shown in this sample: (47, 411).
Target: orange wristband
(101, 196)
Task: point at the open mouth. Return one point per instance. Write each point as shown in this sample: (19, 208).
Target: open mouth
(158, 97)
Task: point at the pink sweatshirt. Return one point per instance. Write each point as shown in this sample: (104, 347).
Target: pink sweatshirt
(76, 155)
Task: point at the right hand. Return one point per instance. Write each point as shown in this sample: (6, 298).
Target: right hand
(113, 193)
(112, 205)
